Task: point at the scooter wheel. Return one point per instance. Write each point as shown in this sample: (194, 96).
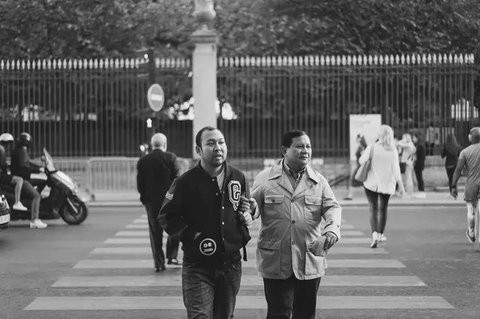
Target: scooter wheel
(74, 215)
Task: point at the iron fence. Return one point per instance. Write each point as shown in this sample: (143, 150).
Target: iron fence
(87, 108)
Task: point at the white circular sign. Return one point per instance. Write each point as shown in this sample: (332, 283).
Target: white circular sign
(155, 97)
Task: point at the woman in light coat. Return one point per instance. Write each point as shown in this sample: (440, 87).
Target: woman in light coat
(381, 180)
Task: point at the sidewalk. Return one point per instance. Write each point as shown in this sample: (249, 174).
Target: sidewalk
(130, 198)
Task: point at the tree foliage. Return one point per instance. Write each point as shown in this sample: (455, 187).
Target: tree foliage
(109, 28)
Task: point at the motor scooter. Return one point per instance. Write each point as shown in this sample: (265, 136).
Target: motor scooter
(62, 201)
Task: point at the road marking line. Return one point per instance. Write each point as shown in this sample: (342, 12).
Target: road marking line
(243, 302)
(251, 250)
(148, 263)
(133, 233)
(253, 233)
(354, 240)
(128, 240)
(247, 280)
(146, 240)
(136, 226)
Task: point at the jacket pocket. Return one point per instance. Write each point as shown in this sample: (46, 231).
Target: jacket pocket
(268, 256)
(273, 206)
(314, 265)
(273, 199)
(313, 207)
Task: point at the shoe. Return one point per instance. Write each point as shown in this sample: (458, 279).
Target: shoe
(420, 195)
(382, 238)
(37, 223)
(19, 206)
(174, 261)
(471, 238)
(374, 243)
(159, 269)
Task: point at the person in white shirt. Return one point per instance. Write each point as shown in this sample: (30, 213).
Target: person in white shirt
(381, 180)
(407, 159)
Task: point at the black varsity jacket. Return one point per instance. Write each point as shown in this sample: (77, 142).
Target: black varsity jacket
(205, 218)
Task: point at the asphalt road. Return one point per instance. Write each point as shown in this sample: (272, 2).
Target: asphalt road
(425, 270)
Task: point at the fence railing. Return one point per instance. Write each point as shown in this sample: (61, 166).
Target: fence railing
(89, 108)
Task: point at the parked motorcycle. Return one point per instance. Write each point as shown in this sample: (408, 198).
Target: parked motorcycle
(63, 200)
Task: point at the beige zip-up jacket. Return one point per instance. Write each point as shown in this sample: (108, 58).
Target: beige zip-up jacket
(291, 220)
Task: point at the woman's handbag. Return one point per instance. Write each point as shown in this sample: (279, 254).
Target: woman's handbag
(362, 172)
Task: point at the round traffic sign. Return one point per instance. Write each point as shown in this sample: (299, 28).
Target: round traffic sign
(155, 97)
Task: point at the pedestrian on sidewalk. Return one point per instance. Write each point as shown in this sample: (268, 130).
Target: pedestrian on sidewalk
(381, 180)
(419, 164)
(451, 150)
(155, 173)
(293, 200)
(208, 210)
(407, 159)
(469, 159)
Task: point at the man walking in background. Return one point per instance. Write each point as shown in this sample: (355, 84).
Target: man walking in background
(156, 172)
(470, 159)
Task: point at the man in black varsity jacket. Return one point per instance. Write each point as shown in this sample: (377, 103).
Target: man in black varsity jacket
(208, 210)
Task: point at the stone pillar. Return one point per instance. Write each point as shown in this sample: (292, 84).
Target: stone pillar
(204, 65)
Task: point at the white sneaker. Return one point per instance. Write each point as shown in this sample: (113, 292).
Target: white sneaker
(19, 206)
(375, 237)
(37, 223)
(420, 195)
(382, 238)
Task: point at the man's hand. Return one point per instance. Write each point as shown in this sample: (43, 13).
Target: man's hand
(454, 191)
(244, 211)
(244, 204)
(246, 218)
(330, 240)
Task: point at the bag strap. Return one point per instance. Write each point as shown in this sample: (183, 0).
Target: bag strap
(371, 152)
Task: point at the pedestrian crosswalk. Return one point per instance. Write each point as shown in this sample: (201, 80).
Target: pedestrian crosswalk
(351, 264)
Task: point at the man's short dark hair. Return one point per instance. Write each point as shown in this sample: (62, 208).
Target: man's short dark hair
(198, 137)
(290, 135)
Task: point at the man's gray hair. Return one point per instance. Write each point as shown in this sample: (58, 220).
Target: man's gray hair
(159, 141)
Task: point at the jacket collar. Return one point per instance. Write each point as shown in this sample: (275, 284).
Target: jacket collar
(276, 172)
(226, 167)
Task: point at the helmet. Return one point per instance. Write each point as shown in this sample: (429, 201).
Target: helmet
(25, 139)
(6, 137)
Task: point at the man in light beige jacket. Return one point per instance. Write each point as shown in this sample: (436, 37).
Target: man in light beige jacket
(300, 223)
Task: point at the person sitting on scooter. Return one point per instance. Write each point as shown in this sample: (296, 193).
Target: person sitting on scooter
(6, 178)
(22, 166)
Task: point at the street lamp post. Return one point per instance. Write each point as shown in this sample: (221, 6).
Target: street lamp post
(204, 65)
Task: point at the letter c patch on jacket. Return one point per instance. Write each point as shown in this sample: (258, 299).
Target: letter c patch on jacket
(234, 192)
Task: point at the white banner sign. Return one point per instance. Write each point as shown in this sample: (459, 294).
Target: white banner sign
(367, 125)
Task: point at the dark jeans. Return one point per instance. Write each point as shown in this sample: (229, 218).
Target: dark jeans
(156, 239)
(291, 298)
(419, 176)
(378, 215)
(210, 291)
(450, 171)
